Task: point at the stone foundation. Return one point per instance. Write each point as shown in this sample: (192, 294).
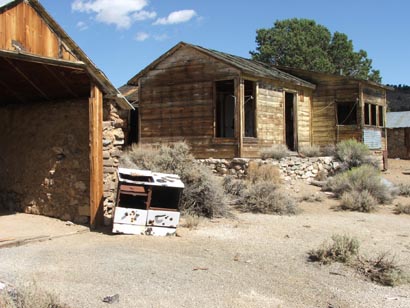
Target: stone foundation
(291, 168)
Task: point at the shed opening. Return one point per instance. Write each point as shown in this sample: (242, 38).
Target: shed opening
(225, 108)
(290, 120)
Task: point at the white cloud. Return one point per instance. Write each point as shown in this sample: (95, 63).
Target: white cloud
(141, 36)
(81, 25)
(176, 17)
(118, 12)
(143, 15)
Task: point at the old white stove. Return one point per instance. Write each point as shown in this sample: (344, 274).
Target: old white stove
(147, 202)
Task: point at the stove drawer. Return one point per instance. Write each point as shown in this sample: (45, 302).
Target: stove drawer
(128, 229)
(159, 218)
(160, 231)
(130, 216)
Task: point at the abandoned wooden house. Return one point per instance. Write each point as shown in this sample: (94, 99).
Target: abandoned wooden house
(61, 120)
(223, 106)
(398, 134)
(226, 106)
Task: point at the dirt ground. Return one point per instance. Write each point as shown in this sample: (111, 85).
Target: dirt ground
(247, 261)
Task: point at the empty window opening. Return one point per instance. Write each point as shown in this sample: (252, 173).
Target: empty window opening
(367, 114)
(132, 201)
(250, 109)
(381, 116)
(373, 115)
(225, 108)
(346, 113)
(133, 127)
(290, 121)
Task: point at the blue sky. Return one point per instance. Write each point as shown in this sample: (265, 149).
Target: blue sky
(124, 36)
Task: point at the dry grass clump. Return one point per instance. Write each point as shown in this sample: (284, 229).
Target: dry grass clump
(359, 201)
(342, 249)
(266, 197)
(353, 154)
(233, 186)
(360, 179)
(191, 221)
(312, 198)
(404, 190)
(310, 150)
(402, 209)
(276, 151)
(263, 173)
(203, 194)
(383, 270)
(30, 296)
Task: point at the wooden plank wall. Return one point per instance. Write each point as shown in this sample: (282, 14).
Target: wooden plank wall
(324, 130)
(177, 103)
(96, 158)
(304, 115)
(22, 23)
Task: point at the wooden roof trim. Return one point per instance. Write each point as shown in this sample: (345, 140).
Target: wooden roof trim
(25, 56)
(134, 80)
(296, 80)
(96, 74)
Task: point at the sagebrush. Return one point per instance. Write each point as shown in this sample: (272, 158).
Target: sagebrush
(360, 201)
(382, 269)
(203, 194)
(276, 151)
(363, 178)
(342, 249)
(310, 150)
(29, 295)
(353, 154)
(402, 208)
(266, 197)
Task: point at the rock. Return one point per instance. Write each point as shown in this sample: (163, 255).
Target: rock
(118, 133)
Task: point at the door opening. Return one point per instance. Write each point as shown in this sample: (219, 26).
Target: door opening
(290, 121)
(133, 127)
(225, 108)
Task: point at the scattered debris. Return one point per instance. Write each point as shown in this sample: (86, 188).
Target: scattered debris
(111, 299)
(200, 269)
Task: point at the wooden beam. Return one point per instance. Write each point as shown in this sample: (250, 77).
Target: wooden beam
(23, 56)
(62, 83)
(29, 80)
(96, 159)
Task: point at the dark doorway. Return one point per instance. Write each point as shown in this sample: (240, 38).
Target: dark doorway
(290, 121)
(134, 127)
(250, 108)
(225, 108)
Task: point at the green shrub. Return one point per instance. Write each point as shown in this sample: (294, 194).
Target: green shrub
(310, 150)
(267, 198)
(353, 154)
(276, 151)
(263, 173)
(404, 190)
(203, 193)
(360, 201)
(402, 209)
(363, 178)
(328, 150)
(382, 270)
(342, 249)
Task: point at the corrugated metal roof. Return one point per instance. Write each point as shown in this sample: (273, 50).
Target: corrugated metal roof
(398, 119)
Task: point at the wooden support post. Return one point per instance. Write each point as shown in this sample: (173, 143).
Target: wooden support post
(96, 159)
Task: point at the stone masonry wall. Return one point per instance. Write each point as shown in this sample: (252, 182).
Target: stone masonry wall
(44, 159)
(291, 168)
(115, 123)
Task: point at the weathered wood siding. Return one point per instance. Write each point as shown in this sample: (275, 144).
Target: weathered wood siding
(324, 126)
(304, 117)
(23, 25)
(177, 103)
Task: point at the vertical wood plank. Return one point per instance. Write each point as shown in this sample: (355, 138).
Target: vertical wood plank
(240, 115)
(96, 159)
